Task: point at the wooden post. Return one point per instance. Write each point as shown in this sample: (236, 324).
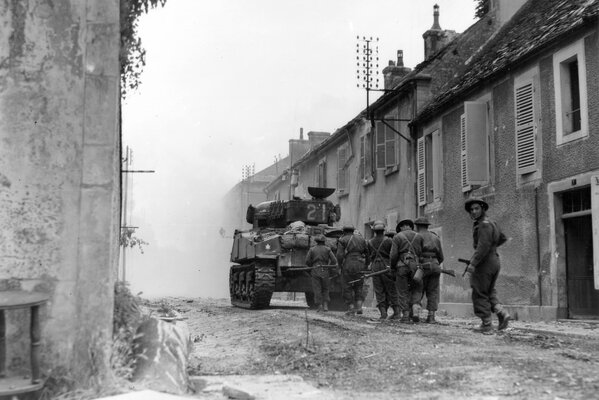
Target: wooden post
(35, 344)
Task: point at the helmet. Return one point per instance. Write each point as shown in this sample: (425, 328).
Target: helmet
(348, 228)
(378, 226)
(421, 221)
(473, 200)
(404, 222)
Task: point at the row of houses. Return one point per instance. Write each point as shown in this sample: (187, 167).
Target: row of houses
(508, 111)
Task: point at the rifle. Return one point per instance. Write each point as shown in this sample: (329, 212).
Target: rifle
(370, 274)
(467, 262)
(311, 268)
(449, 272)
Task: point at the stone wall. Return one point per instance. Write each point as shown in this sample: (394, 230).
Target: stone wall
(60, 170)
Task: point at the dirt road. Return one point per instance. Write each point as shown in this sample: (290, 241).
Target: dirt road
(356, 357)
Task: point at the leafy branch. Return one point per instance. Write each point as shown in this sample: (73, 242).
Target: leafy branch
(128, 239)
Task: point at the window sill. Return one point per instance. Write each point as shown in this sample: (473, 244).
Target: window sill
(367, 181)
(391, 170)
(571, 137)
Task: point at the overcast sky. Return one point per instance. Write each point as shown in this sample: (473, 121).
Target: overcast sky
(228, 83)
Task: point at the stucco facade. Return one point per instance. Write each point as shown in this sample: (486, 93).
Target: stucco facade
(60, 174)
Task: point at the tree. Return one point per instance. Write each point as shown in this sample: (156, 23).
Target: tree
(482, 8)
(133, 55)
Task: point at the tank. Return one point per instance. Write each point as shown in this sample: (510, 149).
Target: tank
(270, 257)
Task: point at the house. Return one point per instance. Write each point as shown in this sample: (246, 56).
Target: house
(519, 126)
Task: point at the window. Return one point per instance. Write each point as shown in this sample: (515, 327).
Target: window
(474, 145)
(429, 162)
(342, 170)
(386, 148)
(322, 173)
(366, 158)
(526, 127)
(570, 87)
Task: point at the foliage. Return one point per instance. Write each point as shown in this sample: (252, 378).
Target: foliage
(128, 239)
(482, 8)
(133, 55)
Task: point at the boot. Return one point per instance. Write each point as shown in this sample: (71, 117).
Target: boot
(485, 326)
(320, 308)
(396, 313)
(383, 311)
(430, 318)
(503, 316)
(416, 312)
(350, 310)
(405, 318)
(358, 306)
(325, 306)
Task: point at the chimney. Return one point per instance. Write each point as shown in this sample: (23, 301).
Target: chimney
(436, 38)
(316, 138)
(395, 72)
(297, 148)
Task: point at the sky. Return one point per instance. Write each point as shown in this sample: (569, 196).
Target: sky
(227, 83)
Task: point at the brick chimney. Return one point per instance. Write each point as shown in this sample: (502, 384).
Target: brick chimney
(298, 147)
(436, 38)
(316, 138)
(394, 73)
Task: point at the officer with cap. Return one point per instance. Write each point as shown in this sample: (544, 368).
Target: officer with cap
(430, 260)
(385, 291)
(405, 253)
(318, 256)
(352, 256)
(484, 265)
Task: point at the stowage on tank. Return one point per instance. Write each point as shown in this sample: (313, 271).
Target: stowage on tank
(270, 257)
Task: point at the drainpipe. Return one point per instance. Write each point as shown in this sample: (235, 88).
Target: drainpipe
(539, 270)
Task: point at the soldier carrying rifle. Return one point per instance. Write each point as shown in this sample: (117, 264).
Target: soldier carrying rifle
(319, 259)
(430, 259)
(379, 250)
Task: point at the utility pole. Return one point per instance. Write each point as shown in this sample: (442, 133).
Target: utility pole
(124, 225)
(367, 63)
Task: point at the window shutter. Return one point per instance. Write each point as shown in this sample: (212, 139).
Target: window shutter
(368, 155)
(477, 142)
(341, 172)
(389, 147)
(437, 165)
(525, 129)
(463, 155)
(380, 146)
(421, 161)
(363, 157)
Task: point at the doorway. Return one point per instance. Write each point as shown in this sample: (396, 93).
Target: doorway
(583, 299)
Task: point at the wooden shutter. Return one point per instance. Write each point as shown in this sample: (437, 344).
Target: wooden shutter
(525, 129)
(341, 171)
(463, 155)
(390, 160)
(363, 157)
(368, 155)
(421, 161)
(437, 165)
(380, 146)
(477, 142)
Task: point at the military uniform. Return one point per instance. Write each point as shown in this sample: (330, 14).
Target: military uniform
(405, 253)
(484, 267)
(352, 257)
(317, 256)
(379, 250)
(430, 260)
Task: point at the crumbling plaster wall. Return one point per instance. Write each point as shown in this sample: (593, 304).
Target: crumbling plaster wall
(59, 171)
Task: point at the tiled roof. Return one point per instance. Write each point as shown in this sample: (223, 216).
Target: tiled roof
(537, 25)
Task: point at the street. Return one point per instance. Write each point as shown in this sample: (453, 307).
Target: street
(358, 357)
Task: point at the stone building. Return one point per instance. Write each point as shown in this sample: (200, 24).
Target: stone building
(60, 176)
(519, 127)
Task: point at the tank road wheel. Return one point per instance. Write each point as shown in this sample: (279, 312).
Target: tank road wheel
(310, 299)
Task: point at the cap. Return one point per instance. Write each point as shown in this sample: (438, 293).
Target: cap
(421, 221)
(404, 222)
(474, 200)
(378, 226)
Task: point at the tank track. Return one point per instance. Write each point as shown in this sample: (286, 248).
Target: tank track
(251, 286)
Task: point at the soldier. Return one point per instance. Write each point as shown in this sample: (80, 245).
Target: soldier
(484, 266)
(405, 253)
(352, 257)
(320, 256)
(379, 250)
(430, 260)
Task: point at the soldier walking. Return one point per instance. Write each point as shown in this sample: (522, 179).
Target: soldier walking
(352, 256)
(385, 291)
(320, 257)
(430, 260)
(484, 266)
(405, 253)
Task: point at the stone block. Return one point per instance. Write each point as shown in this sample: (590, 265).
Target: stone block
(103, 11)
(96, 213)
(101, 110)
(98, 165)
(103, 45)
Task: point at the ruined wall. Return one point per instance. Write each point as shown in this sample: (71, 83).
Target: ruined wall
(59, 171)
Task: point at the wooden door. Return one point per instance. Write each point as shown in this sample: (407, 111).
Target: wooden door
(583, 299)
